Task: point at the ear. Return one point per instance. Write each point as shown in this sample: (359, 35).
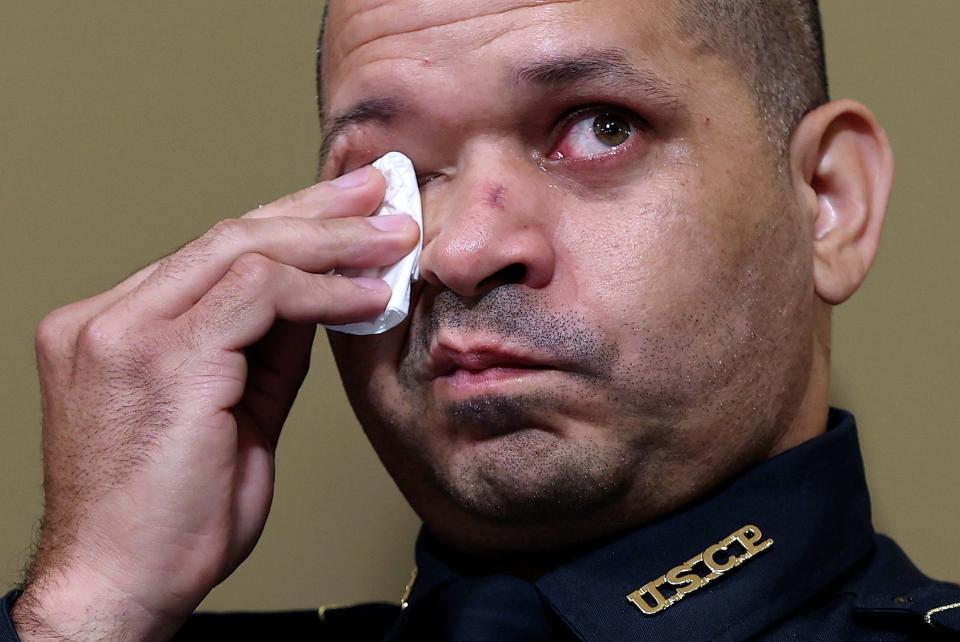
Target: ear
(842, 166)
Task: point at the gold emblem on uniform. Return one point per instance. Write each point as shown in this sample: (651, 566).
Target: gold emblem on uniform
(697, 572)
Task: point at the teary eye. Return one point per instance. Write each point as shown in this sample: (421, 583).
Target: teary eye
(595, 133)
(424, 179)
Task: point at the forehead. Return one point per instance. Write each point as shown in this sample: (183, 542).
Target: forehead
(408, 39)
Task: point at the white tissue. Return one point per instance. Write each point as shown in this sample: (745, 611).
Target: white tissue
(402, 197)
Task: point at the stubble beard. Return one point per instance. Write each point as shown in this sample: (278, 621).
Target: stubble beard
(513, 464)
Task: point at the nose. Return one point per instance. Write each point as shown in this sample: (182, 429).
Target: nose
(488, 226)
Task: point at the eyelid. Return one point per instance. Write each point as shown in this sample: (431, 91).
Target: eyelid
(566, 123)
(573, 116)
(425, 179)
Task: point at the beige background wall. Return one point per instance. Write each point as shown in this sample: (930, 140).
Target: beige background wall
(127, 128)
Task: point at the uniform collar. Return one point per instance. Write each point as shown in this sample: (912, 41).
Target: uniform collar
(811, 501)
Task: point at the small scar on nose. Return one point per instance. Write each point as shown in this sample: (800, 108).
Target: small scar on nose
(496, 195)
(426, 61)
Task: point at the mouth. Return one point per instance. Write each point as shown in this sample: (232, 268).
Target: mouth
(484, 368)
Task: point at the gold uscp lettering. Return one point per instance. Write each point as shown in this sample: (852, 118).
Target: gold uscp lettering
(639, 597)
(710, 558)
(749, 537)
(684, 579)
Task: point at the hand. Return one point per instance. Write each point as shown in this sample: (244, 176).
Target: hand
(163, 400)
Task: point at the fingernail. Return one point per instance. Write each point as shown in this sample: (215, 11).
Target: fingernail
(356, 178)
(390, 222)
(369, 283)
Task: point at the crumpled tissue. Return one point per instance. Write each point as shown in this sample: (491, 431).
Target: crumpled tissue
(402, 197)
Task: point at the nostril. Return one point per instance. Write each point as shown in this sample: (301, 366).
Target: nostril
(513, 273)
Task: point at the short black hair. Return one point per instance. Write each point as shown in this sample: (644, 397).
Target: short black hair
(776, 44)
(778, 47)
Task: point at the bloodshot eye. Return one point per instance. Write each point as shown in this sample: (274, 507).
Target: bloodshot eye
(593, 134)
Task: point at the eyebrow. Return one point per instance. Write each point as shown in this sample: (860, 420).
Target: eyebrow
(381, 110)
(605, 66)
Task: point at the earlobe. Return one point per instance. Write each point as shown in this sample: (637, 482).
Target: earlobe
(842, 163)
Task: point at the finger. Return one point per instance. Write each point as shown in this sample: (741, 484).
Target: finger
(256, 292)
(358, 193)
(308, 245)
(58, 331)
(102, 301)
(277, 365)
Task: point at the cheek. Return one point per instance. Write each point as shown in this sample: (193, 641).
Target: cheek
(366, 363)
(631, 260)
(683, 280)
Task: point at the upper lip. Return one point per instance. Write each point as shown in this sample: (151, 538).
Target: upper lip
(446, 359)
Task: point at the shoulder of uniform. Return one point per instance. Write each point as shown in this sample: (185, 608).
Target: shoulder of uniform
(946, 615)
(897, 589)
(935, 605)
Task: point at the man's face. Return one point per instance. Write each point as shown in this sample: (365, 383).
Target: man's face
(616, 310)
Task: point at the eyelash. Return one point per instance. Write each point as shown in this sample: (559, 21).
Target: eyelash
(426, 179)
(638, 126)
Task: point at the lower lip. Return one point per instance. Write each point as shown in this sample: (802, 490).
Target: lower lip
(474, 382)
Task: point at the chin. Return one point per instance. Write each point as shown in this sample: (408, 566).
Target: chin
(532, 478)
(553, 534)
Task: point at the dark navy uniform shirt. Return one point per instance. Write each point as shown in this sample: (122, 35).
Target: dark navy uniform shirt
(786, 551)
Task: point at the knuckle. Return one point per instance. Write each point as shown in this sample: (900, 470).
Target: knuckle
(98, 335)
(120, 352)
(253, 271)
(225, 231)
(49, 339)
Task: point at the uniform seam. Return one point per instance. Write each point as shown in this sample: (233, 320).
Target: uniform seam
(928, 617)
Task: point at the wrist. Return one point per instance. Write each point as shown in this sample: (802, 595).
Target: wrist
(80, 607)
